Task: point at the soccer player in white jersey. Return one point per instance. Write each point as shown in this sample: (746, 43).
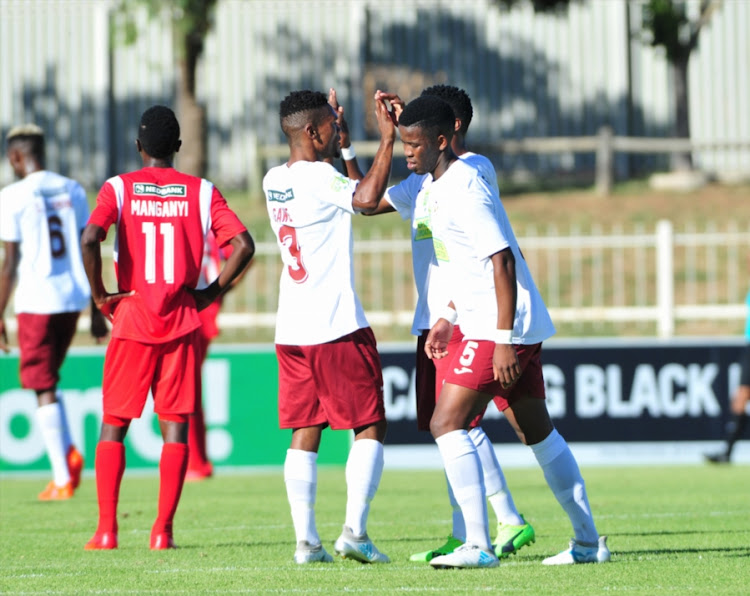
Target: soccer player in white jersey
(41, 219)
(504, 322)
(410, 199)
(329, 369)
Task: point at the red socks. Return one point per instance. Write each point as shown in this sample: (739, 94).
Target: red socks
(109, 465)
(172, 468)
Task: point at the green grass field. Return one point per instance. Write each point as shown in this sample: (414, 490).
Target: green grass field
(673, 530)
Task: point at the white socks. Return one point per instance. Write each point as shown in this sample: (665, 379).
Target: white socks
(301, 478)
(494, 480)
(364, 467)
(67, 439)
(50, 422)
(464, 473)
(564, 478)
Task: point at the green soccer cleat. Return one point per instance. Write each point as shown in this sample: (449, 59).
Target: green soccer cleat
(427, 556)
(510, 539)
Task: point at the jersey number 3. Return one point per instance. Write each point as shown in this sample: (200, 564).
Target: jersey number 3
(295, 266)
(167, 233)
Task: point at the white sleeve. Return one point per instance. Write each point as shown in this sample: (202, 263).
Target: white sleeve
(81, 205)
(399, 198)
(480, 215)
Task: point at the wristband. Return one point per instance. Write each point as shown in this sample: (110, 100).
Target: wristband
(503, 336)
(348, 153)
(449, 314)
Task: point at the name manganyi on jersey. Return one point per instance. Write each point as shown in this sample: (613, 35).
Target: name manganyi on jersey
(156, 208)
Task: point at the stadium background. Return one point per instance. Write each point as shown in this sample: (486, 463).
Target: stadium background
(529, 76)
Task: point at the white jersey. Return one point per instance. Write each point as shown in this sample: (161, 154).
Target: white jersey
(310, 208)
(410, 199)
(469, 225)
(45, 213)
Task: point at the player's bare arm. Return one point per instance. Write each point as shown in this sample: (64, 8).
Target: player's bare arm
(370, 191)
(7, 279)
(243, 249)
(99, 328)
(505, 360)
(92, 262)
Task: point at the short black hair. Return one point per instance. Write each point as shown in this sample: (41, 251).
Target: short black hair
(458, 99)
(29, 138)
(159, 132)
(295, 108)
(429, 111)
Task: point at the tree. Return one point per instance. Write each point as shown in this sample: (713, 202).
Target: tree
(191, 21)
(667, 25)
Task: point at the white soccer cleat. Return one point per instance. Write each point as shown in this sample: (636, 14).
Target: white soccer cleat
(359, 548)
(309, 553)
(581, 552)
(466, 556)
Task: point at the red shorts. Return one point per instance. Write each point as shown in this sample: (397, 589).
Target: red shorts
(170, 370)
(44, 340)
(430, 377)
(475, 372)
(339, 383)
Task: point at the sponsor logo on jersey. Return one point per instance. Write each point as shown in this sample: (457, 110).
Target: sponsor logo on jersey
(281, 196)
(154, 190)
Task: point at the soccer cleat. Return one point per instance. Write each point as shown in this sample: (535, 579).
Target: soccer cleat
(162, 541)
(359, 548)
(717, 458)
(581, 552)
(510, 539)
(56, 493)
(75, 465)
(102, 541)
(450, 545)
(308, 553)
(466, 556)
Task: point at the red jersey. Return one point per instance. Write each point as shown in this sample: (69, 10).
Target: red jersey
(162, 217)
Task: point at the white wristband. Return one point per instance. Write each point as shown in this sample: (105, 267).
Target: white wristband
(503, 336)
(449, 314)
(348, 153)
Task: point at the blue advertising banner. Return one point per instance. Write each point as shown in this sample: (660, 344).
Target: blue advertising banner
(613, 391)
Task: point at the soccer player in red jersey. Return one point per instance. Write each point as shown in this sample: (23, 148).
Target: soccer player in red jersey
(162, 217)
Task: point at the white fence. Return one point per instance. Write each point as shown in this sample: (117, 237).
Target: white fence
(652, 279)
(606, 281)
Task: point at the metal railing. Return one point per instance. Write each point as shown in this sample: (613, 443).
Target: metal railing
(654, 278)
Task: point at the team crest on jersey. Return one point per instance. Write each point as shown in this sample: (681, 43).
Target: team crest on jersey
(154, 190)
(281, 196)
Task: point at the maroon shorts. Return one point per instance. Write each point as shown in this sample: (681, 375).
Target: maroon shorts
(170, 370)
(430, 377)
(44, 340)
(339, 383)
(475, 372)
